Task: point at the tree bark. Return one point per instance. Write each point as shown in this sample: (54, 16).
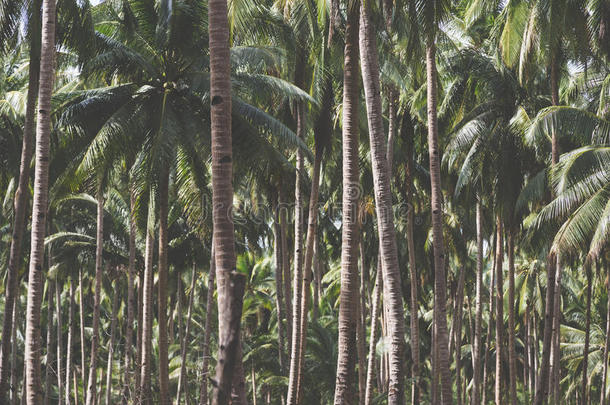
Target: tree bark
(603, 396)
(459, 312)
(162, 285)
(131, 302)
(374, 335)
(21, 200)
(60, 357)
(489, 330)
(16, 316)
(40, 202)
(99, 247)
(279, 288)
(203, 393)
(499, 309)
(383, 204)
(348, 314)
(285, 266)
(145, 395)
(512, 361)
(69, 346)
(476, 382)
(50, 356)
(555, 365)
(182, 377)
(585, 360)
(81, 311)
(440, 287)
(113, 322)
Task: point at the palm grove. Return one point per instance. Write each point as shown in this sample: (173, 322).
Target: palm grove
(305, 202)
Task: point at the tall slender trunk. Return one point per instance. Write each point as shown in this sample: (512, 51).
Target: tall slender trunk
(489, 330)
(203, 392)
(297, 290)
(70, 344)
(457, 336)
(603, 396)
(279, 288)
(348, 314)
(131, 298)
(392, 287)
(307, 267)
(139, 349)
(16, 316)
(39, 211)
(512, 361)
(285, 265)
(230, 283)
(21, 199)
(253, 377)
(361, 347)
(499, 309)
(83, 348)
(162, 285)
(374, 335)
(50, 355)
(99, 247)
(585, 360)
(317, 278)
(440, 286)
(113, 322)
(182, 377)
(555, 365)
(526, 351)
(60, 357)
(145, 395)
(476, 379)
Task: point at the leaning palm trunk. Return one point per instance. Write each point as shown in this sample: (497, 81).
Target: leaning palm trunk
(374, 335)
(476, 390)
(391, 276)
(162, 285)
(21, 202)
(182, 377)
(348, 316)
(147, 313)
(307, 267)
(39, 211)
(440, 287)
(230, 283)
(113, 322)
(512, 361)
(499, 311)
(203, 393)
(297, 290)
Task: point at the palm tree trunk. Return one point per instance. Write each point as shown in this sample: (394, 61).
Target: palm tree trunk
(476, 379)
(147, 313)
(348, 314)
(489, 330)
(440, 287)
(39, 211)
(81, 311)
(361, 347)
(374, 335)
(162, 285)
(512, 361)
(21, 200)
(459, 313)
(203, 393)
(307, 268)
(279, 288)
(91, 385)
(293, 383)
(604, 397)
(131, 302)
(285, 266)
(138, 361)
(49, 362)
(113, 322)
(60, 357)
(555, 365)
(16, 317)
(499, 309)
(182, 377)
(69, 348)
(238, 386)
(585, 360)
(253, 376)
(383, 198)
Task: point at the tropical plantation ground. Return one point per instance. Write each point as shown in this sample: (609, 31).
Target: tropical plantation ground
(304, 202)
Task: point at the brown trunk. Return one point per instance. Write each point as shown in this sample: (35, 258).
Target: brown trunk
(203, 392)
(279, 289)
(131, 302)
(585, 359)
(113, 322)
(348, 309)
(40, 201)
(476, 379)
(81, 311)
(489, 330)
(459, 312)
(145, 395)
(499, 309)
(383, 204)
(69, 349)
(99, 247)
(285, 266)
(238, 386)
(512, 361)
(440, 287)
(16, 316)
(60, 356)
(50, 356)
(182, 377)
(162, 285)
(374, 335)
(138, 360)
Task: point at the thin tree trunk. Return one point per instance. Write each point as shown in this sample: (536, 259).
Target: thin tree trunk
(361, 347)
(253, 376)
(604, 397)
(162, 285)
(113, 322)
(459, 312)
(293, 383)
(91, 385)
(440, 287)
(383, 204)
(139, 335)
(131, 302)
(81, 311)
(556, 335)
(147, 313)
(16, 317)
(476, 382)
(585, 360)
(374, 335)
(499, 310)
(39, 211)
(489, 330)
(182, 377)
(50, 356)
(279, 289)
(69, 348)
(285, 266)
(316, 278)
(60, 357)
(526, 352)
(512, 361)
(203, 393)
(348, 309)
